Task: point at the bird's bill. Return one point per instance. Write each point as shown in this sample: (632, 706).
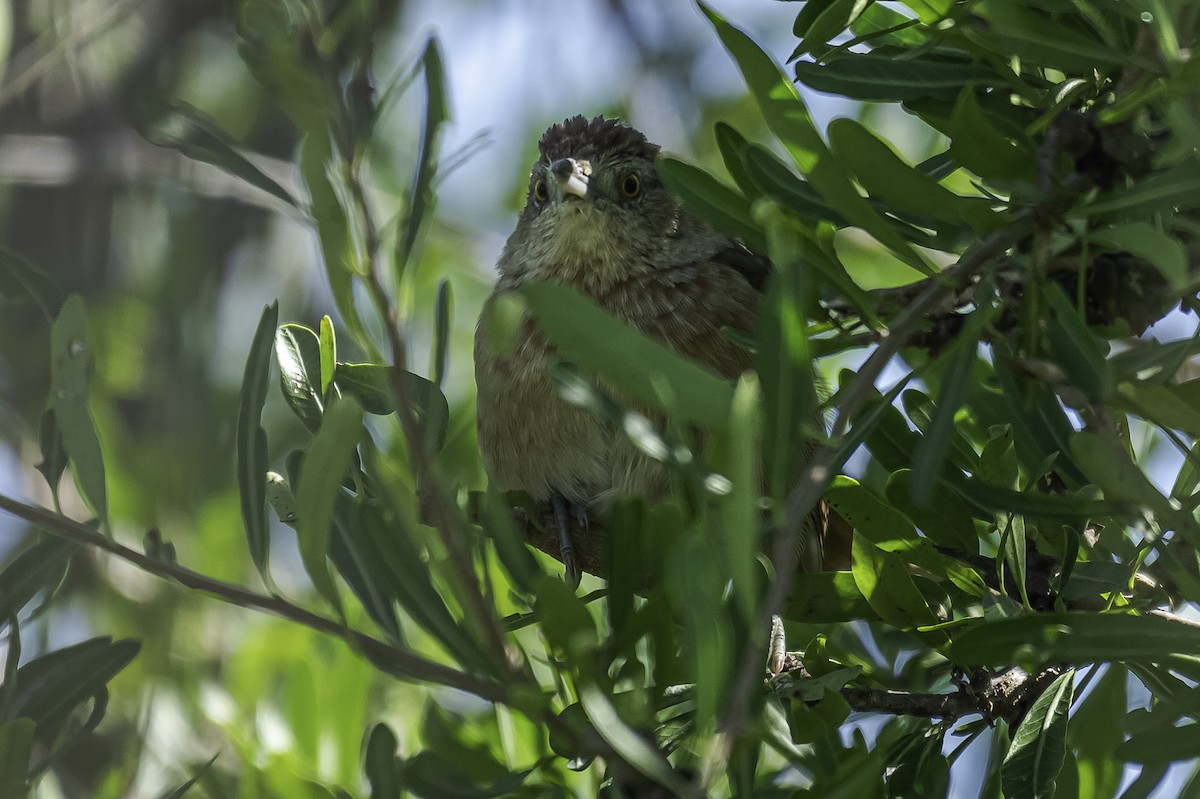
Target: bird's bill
(572, 175)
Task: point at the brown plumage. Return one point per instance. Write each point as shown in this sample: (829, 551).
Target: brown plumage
(628, 246)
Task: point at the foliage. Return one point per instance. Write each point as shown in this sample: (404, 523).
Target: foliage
(1014, 552)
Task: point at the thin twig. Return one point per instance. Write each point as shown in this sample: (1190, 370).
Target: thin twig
(380, 652)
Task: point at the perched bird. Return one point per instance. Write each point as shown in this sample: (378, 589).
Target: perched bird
(599, 219)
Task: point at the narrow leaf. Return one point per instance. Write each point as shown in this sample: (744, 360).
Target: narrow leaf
(788, 118)
(628, 359)
(329, 457)
(252, 439)
(21, 281)
(70, 369)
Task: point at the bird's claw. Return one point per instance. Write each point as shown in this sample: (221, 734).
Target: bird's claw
(566, 513)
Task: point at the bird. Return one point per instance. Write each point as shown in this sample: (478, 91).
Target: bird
(599, 219)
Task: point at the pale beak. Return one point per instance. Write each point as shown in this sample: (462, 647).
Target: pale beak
(572, 175)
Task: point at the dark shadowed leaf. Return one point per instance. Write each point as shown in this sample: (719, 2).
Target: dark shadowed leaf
(21, 281)
(371, 384)
(39, 568)
(1076, 638)
(252, 439)
(886, 79)
(712, 200)
(51, 686)
(380, 763)
(16, 746)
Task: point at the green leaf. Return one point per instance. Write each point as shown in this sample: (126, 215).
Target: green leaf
(1166, 253)
(320, 166)
(1177, 188)
(1038, 505)
(41, 567)
(1161, 745)
(627, 742)
(177, 793)
(54, 455)
(432, 776)
(944, 518)
(443, 314)
(328, 350)
(21, 281)
(626, 358)
(788, 118)
(328, 458)
(16, 746)
(929, 459)
(252, 439)
(886, 177)
(826, 597)
(775, 180)
(1172, 407)
(371, 384)
(1074, 347)
(70, 369)
(884, 580)
(922, 769)
(51, 686)
(741, 509)
(825, 25)
(712, 201)
(1041, 39)
(1039, 743)
(380, 763)
(733, 146)
(298, 350)
(977, 144)
(187, 130)
(1108, 465)
(889, 80)
(1154, 359)
(1076, 638)
(421, 196)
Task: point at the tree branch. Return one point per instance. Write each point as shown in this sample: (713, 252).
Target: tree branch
(1006, 696)
(393, 659)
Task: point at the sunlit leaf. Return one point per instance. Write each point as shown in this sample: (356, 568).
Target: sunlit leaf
(1039, 744)
(298, 350)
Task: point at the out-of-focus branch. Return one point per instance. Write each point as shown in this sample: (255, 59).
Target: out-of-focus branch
(125, 158)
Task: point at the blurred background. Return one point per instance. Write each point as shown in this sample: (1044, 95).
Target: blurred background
(175, 260)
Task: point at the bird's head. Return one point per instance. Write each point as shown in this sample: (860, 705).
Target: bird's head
(596, 210)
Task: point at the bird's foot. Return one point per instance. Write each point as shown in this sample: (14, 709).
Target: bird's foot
(567, 513)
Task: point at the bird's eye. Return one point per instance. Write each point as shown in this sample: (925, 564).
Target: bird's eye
(631, 186)
(540, 192)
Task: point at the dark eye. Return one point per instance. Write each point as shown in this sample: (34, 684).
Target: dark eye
(631, 186)
(540, 192)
